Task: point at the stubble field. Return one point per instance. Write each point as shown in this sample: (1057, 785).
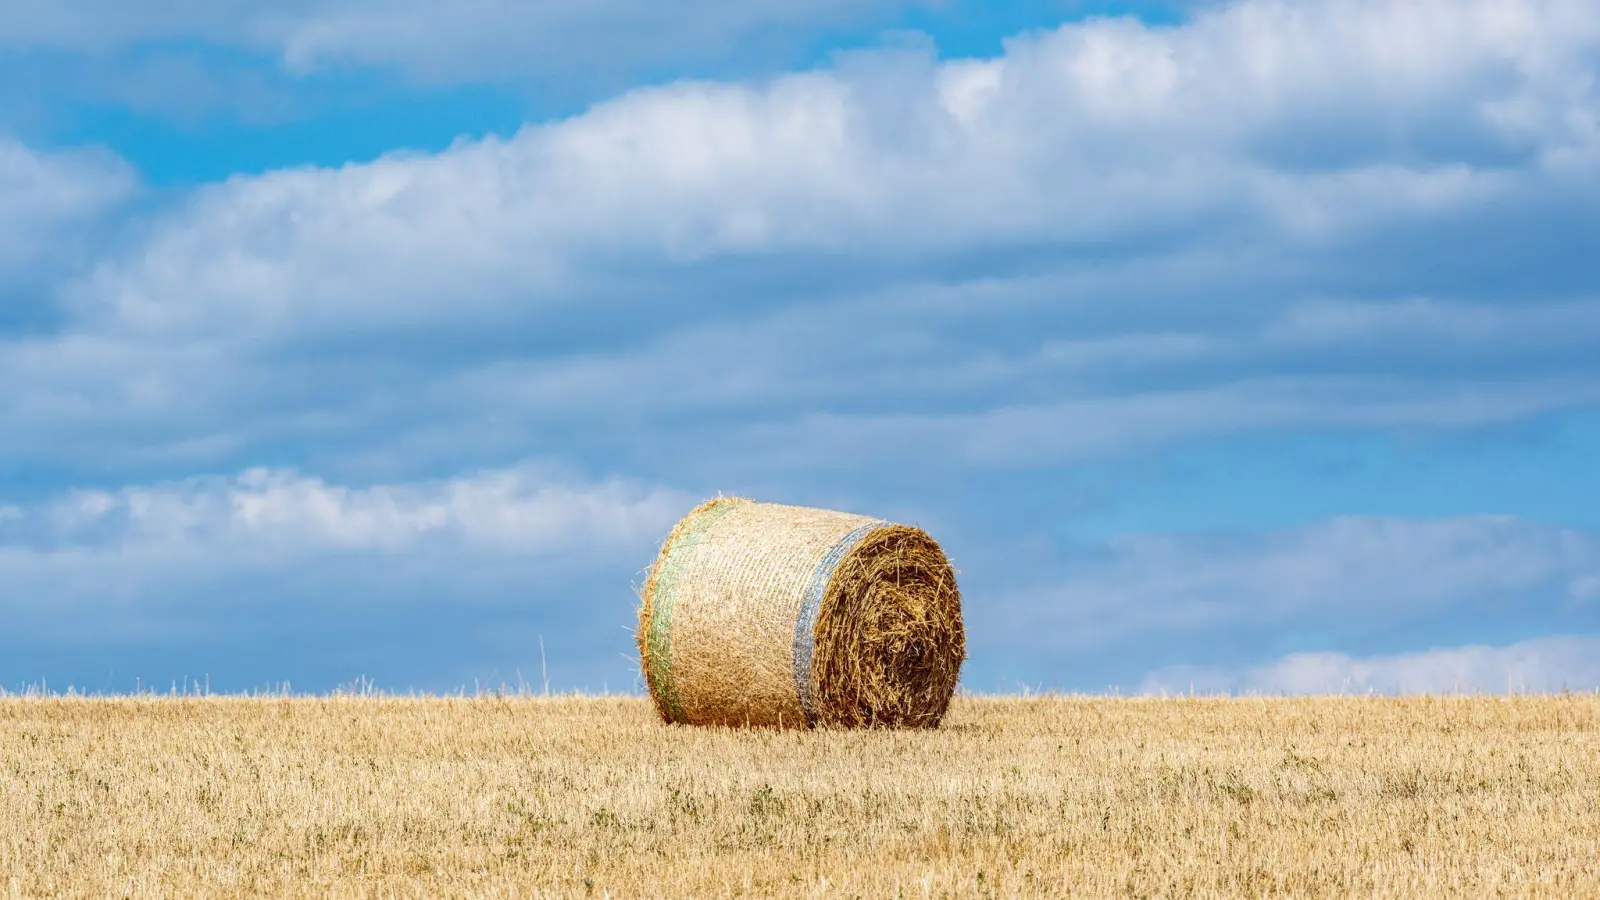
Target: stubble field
(507, 796)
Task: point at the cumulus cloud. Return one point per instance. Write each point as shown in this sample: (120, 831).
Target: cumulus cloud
(1536, 666)
(516, 510)
(1114, 235)
(151, 544)
(1322, 217)
(50, 200)
(1096, 132)
(275, 575)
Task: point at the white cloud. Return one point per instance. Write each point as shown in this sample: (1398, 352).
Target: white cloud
(1586, 588)
(165, 536)
(1537, 666)
(516, 510)
(468, 39)
(1112, 237)
(272, 575)
(1074, 135)
(490, 37)
(1349, 573)
(782, 392)
(825, 256)
(1099, 426)
(50, 199)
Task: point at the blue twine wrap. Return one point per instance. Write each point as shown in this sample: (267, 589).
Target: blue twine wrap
(805, 624)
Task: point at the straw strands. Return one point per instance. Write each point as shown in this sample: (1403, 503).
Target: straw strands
(762, 614)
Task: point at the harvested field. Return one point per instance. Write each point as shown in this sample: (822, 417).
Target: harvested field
(582, 797)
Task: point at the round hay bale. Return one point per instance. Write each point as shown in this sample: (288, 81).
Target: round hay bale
(761, 614)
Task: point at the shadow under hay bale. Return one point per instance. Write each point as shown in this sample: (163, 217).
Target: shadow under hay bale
(761, 614)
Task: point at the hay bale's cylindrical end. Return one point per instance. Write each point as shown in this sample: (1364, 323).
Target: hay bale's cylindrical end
(761, 614)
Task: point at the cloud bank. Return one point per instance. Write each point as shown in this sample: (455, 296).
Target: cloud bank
(472, 39)
(1329, 215)
(887, 282)
(1538, 666)
(276, 519)
(272, 575)
(51, 201)
(1209, 607)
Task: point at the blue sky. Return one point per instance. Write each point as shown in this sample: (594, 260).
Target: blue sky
(1248, 346)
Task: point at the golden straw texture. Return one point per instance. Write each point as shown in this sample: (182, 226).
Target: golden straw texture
(588, 797)
(762, 614)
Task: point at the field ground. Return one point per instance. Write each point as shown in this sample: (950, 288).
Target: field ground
(353, 796)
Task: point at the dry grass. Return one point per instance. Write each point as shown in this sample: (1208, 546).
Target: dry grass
(1017, 797)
